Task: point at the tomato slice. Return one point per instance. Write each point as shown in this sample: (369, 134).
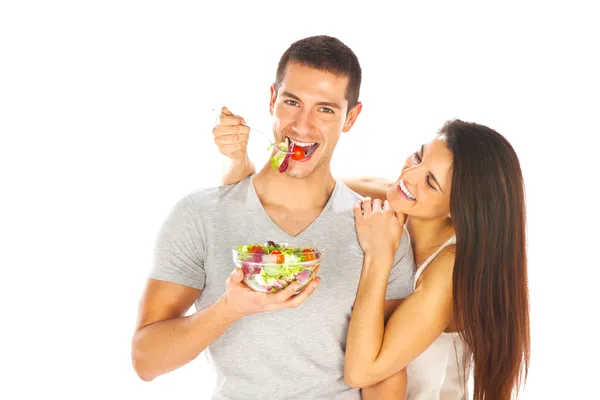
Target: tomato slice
(309, 254)
(256, 249)
(298, 153)
(279, 259)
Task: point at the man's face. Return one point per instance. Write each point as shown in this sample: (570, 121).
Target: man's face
(311, 110)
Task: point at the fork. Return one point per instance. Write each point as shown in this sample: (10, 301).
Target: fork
(256, 130)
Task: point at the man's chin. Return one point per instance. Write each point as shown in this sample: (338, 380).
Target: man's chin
(299, 171)
(298, 174)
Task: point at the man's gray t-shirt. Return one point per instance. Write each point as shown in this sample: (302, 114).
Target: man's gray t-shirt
(285, 354)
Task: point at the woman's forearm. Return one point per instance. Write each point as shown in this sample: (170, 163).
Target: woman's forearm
(393, 388)
(375, 188)
(367, 324)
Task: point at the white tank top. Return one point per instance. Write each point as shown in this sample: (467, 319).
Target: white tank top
(438, 373)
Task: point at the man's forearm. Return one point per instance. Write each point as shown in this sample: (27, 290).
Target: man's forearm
(237, 169)
(164, 346)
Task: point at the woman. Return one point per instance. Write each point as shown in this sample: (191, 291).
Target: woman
(463, 200)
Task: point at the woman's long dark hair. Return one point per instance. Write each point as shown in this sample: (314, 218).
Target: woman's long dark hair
(491, 301)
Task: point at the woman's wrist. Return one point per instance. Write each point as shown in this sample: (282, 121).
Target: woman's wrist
(379, 261)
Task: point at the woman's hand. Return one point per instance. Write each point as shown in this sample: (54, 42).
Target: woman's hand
(378, 227)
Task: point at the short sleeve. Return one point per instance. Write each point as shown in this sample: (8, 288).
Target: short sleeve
(401, 279)
(179, 250)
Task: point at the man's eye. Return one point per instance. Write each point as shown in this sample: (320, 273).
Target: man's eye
(326, 110)
(292, 103)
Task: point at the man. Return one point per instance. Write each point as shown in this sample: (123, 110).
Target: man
(265, 345)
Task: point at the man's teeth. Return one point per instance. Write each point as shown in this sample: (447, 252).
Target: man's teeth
(406, 191)
(301, 144)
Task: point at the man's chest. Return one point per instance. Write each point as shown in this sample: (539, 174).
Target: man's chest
(292, 223)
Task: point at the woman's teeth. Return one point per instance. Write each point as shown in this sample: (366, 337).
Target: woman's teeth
(405, 190)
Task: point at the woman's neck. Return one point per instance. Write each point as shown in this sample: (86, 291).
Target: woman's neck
(427, 235)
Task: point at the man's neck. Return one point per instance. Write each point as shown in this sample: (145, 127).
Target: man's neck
(280, 190)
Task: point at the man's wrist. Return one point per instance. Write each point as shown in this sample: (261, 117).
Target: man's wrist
(224, 309)
(244, 163)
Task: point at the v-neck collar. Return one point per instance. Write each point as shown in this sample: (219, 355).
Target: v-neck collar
(253, 196)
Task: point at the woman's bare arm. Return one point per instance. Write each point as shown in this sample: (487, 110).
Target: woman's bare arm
(393, 388)
(374, 353)
(375, 188)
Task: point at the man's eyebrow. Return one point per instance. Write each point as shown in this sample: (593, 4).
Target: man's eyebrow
(430, 174)
(293, 96)
(328, 104)
(320, 103)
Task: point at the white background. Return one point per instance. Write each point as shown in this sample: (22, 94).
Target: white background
(105, 121)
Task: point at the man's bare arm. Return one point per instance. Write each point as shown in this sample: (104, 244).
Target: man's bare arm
(164, 338)
(235, 170)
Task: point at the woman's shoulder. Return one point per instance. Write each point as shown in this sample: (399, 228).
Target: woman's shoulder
(441, 267)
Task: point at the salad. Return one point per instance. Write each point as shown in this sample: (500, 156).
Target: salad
(287, 150)
(271, 267)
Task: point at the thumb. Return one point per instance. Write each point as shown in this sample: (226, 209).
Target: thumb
(401, 218)
(225, 111)
(237, 275)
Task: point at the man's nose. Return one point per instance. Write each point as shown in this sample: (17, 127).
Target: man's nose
(304, 122)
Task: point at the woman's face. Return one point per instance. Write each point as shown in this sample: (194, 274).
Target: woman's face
(423, 189)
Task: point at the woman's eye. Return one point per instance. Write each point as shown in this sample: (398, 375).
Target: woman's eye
(429, 182)
(417, 157)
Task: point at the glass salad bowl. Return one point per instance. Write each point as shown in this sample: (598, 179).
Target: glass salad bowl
(271, 267)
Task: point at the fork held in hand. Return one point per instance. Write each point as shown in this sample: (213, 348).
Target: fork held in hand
(254, 129)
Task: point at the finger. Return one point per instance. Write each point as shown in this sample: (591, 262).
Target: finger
(227, 130)
(286, 293)
(377, 205)
(358, 213)
(301, 297)
(367, 206)
(386, 205)
(230, 139)
(237, 275)
(401, 218)
(225, 111)
(231, 120)
(230, 149)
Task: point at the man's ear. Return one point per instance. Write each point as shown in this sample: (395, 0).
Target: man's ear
(273, 98)
(351, 118)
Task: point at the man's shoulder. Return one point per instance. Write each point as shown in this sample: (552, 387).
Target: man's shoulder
(211, 203)
(345, 198)
(212, 198)
(405, 248)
